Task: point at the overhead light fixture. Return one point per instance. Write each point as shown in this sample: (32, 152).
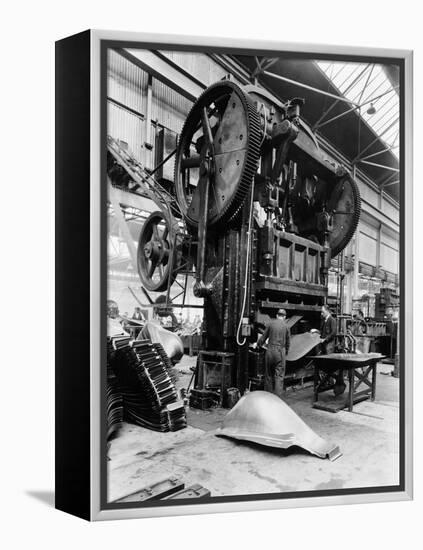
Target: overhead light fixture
(371, 110)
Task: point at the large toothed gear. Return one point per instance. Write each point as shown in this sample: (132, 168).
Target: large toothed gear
(235, 127)
(262, 417)
(344, 205)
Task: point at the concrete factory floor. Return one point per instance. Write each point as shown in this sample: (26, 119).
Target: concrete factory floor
(368, 438)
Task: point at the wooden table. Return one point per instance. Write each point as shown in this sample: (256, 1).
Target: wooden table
(361, 370)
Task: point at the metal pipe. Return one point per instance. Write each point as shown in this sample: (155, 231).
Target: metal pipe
(387, 179)
(386, 123)
(169, 156)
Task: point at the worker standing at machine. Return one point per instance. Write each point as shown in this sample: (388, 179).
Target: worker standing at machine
(327, 331)
(361, 323)
(138, 315)
(114, 320)
(328, 335)
(277, 331)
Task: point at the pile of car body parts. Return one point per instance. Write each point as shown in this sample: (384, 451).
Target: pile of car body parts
(171, 488)
(263, 418)
(150, 398)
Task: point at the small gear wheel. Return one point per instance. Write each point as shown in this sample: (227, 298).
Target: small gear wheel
(157, 251)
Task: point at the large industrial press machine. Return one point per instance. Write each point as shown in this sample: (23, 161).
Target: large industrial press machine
(255, 214)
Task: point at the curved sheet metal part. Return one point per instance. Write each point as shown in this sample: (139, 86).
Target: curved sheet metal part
(263, 418)
(171, 342)
(301, 344)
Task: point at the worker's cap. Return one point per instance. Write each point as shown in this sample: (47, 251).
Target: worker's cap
(282, 312)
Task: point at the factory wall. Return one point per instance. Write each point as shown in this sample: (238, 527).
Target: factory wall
(390, 210)
(127, 102)
(127, 92)
(200, 66)
(389, 251)
(378, 246)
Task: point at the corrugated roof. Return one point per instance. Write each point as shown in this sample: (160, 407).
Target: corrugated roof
(336, 118)
(368, 85)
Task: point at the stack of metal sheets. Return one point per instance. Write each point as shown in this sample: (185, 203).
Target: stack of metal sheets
(167, 361)
(150, 398)
(114, 410)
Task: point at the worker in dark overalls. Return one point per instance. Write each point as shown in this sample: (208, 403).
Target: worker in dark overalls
(327, 331)
(328, 335)
(279, 337)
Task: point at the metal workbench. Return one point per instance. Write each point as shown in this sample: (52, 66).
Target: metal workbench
(361, 370)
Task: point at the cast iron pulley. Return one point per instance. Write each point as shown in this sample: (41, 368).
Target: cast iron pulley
(344, 207)
(157, 251)
(220, 141)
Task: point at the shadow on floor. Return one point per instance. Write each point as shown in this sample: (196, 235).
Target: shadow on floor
(46, 497)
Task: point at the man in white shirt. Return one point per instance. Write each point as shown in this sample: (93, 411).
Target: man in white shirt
(114, 326)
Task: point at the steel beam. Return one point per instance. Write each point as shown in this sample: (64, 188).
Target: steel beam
(389, 148)
(329, 109)
(257, 70)
(126, 108)
(386, 124)
(318, 126)
(379, 165)
(165, 72)
(373, 214)
(307, 87)
(378, 138)
(230, 65)
(355, 79)
(376, 98)
(134, 200)
(365, 84)
(147, 141)
(390, 183)
(270, 62)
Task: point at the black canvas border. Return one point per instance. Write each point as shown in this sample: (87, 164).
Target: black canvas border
(72, 273)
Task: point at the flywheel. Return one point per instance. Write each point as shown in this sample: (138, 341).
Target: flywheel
(227, 114)
(344, 206)
(158, 253)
